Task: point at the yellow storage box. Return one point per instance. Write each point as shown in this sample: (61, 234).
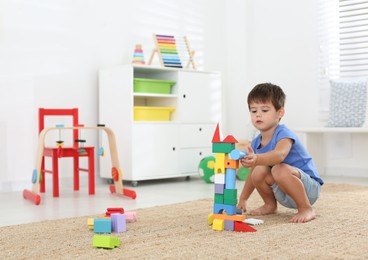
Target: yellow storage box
(142, 113)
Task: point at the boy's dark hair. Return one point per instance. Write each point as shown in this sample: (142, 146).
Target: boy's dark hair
(266, 92)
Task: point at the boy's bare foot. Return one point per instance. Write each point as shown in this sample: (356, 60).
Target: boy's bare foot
(304, 215)
(264, 210)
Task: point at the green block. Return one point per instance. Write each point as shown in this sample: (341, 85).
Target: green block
(231, 202)
(105, 241)
(230, 194)
(222, 147)
(219, 198)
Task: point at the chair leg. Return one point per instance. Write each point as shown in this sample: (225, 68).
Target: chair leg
(55, 174)
(43, 175)
(91, 171)
(76, 172)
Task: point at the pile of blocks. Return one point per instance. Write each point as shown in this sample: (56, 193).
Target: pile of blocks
(225, 215)
(114, 221)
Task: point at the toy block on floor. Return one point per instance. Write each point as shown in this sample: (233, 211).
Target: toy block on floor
(109, 211)
(118, 222)
(221, 208)
(242, 227)
(90, 223)
(102, 225)
(101, 241)
(218, 224)
(131, 217)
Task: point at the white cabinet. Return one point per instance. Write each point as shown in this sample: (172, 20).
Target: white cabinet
(159, 149)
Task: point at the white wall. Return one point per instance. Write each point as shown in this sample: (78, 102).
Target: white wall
(50, 52)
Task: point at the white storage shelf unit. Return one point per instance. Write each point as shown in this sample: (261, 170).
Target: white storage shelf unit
(159, 149)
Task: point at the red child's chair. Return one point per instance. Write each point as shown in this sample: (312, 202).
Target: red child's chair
(55, 153)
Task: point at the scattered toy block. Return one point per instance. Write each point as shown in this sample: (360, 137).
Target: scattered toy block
(90, 223)
(131, 217)
(118, 222)
(102, 225)
(114, 210)
(242, 227)
(101, 241)
(218, 224)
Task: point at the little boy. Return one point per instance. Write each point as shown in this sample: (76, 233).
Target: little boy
(281, 169)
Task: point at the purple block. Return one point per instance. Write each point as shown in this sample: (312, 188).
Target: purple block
(219, 188)
(229, 225)
(118, 222)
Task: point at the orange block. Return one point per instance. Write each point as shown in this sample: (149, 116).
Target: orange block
(231, 164)
(229, 217)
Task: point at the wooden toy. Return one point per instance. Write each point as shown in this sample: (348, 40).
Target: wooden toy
(90, 223)
(118, 183)
(109, 242)
(172, 51)
(225, 216)
(110, 211)
(138, 56)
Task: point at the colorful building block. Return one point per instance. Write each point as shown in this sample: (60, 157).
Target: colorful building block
(220, 208)
(222, 147)
(220, 163)
(229, 225)
(131, 217)
(231, 164)
(219, 188)
(230, 179)
(219, 178)
(218, 224)
(242, 227)
(219, 198)
(210, 219)
(118, 222)
(101, 241)
(102, 225)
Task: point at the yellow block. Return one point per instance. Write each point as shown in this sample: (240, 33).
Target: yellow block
(220, 162)
(210, 219)
(90, 223)
(218, 224)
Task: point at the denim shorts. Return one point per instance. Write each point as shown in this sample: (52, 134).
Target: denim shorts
(311, 186)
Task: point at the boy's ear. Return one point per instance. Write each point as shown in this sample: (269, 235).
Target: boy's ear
(281, 112)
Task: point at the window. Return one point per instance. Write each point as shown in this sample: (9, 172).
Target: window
(343, 33)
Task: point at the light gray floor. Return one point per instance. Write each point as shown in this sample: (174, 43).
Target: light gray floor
(16, 210)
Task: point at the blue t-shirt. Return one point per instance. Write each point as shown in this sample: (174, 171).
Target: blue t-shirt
(298, 155)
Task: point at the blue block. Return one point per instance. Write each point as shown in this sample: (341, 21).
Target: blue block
(230, 178)
(219, 208)
(237, 154)
(102, 225)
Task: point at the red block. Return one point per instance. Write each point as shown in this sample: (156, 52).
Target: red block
(242, 227)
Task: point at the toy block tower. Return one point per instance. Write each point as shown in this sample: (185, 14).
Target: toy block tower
(224, 216)
(138, 56)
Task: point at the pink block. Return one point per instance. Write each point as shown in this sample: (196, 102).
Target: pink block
(131, 217)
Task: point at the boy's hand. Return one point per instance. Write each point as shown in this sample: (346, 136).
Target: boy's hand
(250, 159)
(242, 205)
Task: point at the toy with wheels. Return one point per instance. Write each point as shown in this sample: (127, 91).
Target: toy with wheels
(117, 175)
(206, 169)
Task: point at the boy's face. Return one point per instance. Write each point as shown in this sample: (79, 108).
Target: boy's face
(264, 115)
